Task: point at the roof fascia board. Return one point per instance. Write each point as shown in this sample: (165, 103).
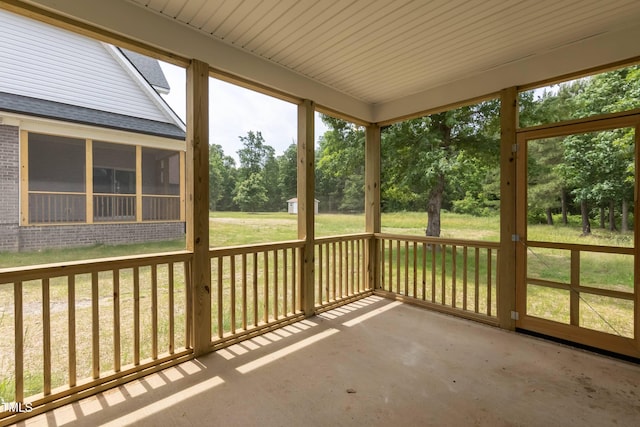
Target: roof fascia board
(146, 27)
(593, 52)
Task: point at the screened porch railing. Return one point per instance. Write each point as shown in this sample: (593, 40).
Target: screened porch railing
(114, 207)
(46, 207)
(456, 276)
(340, 268)
(254, 288)
(74, 326)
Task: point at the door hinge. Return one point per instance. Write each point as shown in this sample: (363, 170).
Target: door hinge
(515, 237)
(514, 148)
(515, 315)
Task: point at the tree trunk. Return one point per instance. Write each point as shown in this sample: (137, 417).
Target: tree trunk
(549, 217)
(563, 198)
(433, 208)
(602, 217)
(625, 217)
(612, 216)
(586, 225)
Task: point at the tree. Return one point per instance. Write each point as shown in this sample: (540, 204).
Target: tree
(597, 169)
(340, 166)
(288, 172)
(421, 155)
(257, 175)
(251, 194)
(254, 154)
(222, 179)
(545, 184)
(270, 177)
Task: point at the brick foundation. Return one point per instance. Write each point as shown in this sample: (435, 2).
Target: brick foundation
(62, 236)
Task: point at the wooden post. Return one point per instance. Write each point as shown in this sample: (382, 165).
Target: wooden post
(182, 187)
(306, 212)
(89, 181)
(636, 237)
(372, 202)
(138, 183)
(24, 178)
(197, 209)
(506, 302)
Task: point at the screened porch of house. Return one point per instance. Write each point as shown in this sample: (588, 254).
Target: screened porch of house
(368, 327)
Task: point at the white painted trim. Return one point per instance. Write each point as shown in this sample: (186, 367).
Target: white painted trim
(8, 121)
(75, 130)
(144, 85)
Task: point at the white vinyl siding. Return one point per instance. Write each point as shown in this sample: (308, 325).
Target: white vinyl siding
(41, 61)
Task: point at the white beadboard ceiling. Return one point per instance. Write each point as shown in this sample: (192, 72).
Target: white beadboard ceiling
(379, 59)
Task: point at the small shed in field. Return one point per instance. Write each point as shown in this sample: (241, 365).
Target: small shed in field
(292, 205)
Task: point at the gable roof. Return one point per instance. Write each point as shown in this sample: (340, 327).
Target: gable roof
(62, 75)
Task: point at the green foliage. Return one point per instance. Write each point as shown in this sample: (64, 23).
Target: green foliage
(288, 172)
(222, 179)
(432, 161)
(594, 169)
(340, 167)
(251, 194)
(254, 154)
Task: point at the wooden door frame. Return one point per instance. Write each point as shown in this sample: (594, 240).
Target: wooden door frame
(573, 333)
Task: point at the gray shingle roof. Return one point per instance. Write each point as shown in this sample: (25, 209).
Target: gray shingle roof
(70, 113)
(149, 68)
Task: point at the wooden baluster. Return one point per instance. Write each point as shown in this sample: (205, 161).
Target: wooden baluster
(136, 315)
(95, 323)
(320, 275)
(232, 291)
(453, 275)
(244, 291)
(477, 282)
(464, 277)
(489, 282)
(71, 307)
(116, 320)
(255, 289)
(19, 341)
(46, 336)
(154, 311)
(424, 271)
(265, 273)
(275, 285)
(170, 273)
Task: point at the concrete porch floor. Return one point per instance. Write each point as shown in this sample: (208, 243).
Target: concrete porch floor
(375, 362)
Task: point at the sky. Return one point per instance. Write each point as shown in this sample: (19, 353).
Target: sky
(234, 111)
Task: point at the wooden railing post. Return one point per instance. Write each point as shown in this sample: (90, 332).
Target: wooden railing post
(138, 183)
(197, 209)
(507, 257)
(88, 181)
(306, 205)
(372, 202)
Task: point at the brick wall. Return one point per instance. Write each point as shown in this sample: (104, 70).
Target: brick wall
(60, 236)
(9, 187)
